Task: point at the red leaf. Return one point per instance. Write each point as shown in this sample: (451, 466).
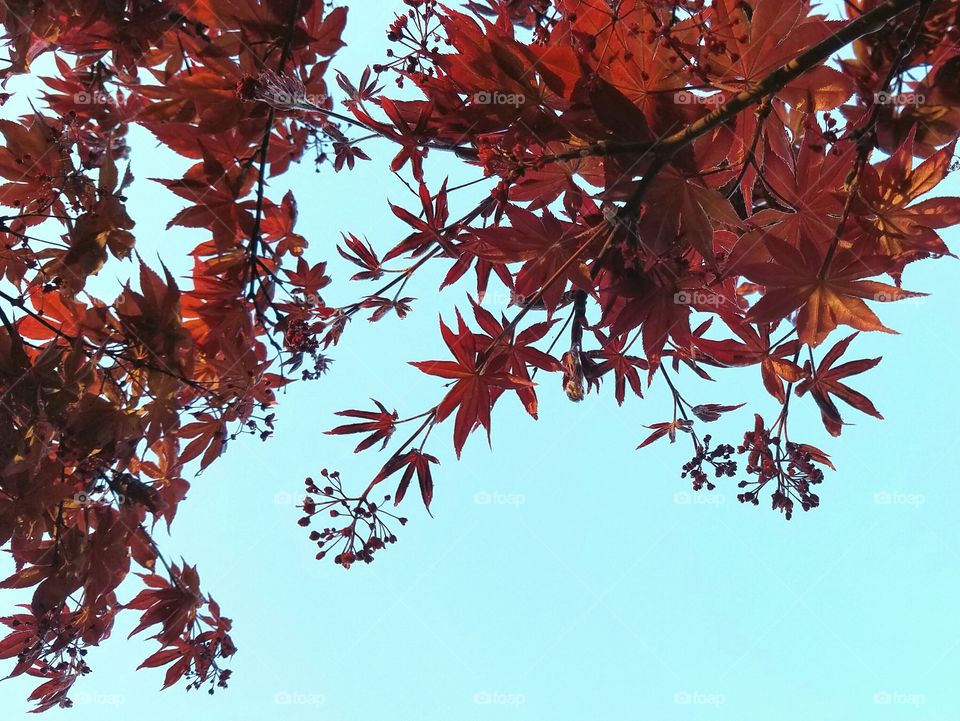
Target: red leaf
(380, 425)
(826, 382)
(471, 394)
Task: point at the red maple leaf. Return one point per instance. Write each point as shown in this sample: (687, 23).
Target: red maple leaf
(428, 230)
(514, 354)
(171, 605)
(473, 393)
(413, 462)
(380, 425)
(613, 356)
(825, 382)
(794, 281)
(757, 347)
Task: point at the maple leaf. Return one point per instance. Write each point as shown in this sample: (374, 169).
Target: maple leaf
(472, 393)
(51, 693)
(767, 33)
(368, 89)
(514, 354)
(545, 246)
(151, 319)
(412, 462)
(666, 429)
(213, 192)
(709, 412)
(805, 186)
(382, 306)
(55, 314)
(172, 605)
(825, 382)
(347, 155)
(793, 282)
(327, 28)
(903, 231)
(613, 356)
(309, 279)
(166, 473)
(362, 255)
(757, 347)
(683, 210)
(430, 230)
(30, 156)
(405, 131)
(209, 437)
(19, 640)
(634, 301)
(380, 424)
(277, 226)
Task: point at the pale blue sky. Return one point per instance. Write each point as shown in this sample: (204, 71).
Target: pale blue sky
(564, 574)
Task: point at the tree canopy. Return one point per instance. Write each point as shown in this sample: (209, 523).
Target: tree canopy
(670, 187)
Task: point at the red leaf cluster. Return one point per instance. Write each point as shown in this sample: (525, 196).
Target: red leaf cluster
(106, 404)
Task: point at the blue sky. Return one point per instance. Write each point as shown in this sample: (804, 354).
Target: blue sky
(564, 574)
